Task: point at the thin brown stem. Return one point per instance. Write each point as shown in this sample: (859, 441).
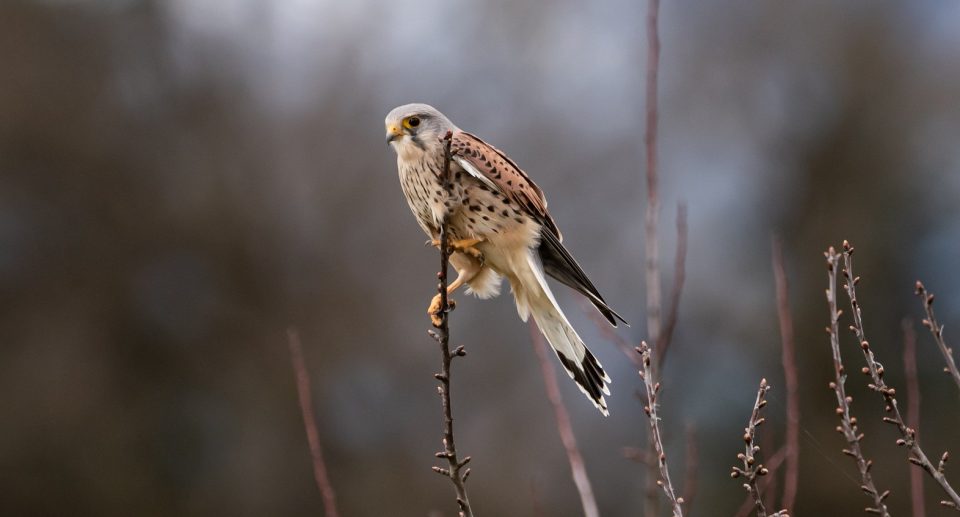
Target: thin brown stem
(913, 408)
(455, 470)
(848, 423)
(773, 464)
(653, 389)
(679, 276)
(603, 326)
(791, 379)
(752, 469)
(577, 467)
(310, 423)
(936, 330)
(908, 435)
(651, 243)
(653, 198)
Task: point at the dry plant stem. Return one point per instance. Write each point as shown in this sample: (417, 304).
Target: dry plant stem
(848, 423)
(653, 389)
(679, 276)
(913, 409)
(751, 469)
(937, 330)
(455, 470)
(310, 423)
(908, 435)
(653, 198)
(791, 380)
(773, 464)
(577, 466)
(651, 243)
(603, 326)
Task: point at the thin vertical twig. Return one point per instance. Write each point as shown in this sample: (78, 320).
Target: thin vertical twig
(848, 423)
(913, 408)
(773, 465)
(936, 330)
(603, 326)
(653, 389)
(455, 471)
(651, 243)
(908, 435)
(679, 276)
(310, 423)
(791, 379)
(653, 198)
(772, 479)
(752, 469)
(577, 467)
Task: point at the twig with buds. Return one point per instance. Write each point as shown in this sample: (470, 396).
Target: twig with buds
(848, 423)
(455, 469)
(937, 330)
(908, 435)
(752, 469)
(652, 389)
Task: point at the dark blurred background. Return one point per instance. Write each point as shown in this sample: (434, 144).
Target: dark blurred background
(181, 180)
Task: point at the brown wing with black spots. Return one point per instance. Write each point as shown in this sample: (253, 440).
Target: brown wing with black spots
(503, 172)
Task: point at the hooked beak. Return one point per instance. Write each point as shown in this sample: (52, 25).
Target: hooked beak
(393, 132)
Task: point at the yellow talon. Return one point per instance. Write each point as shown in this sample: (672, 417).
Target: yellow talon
(466, 246)
(434, 309)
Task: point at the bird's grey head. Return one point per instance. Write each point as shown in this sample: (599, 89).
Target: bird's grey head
(416, 128)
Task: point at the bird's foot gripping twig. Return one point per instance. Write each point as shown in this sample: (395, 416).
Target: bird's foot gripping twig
(434, 309)
(466, 246)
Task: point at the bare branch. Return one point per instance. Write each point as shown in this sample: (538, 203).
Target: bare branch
(937, 330)
(908, 435)
(651, 243)
(310, 423)
(455, 471)
(603, 326)
(773, 465)
(848, 423)
(652, 389)
(913, 408)
(751, 469)
(679, 276)
(653, 199)
(577, 467)
(791, 379)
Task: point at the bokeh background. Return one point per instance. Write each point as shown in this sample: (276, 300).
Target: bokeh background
(182, 180)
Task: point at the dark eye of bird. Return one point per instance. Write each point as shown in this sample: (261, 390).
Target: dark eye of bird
(413, 121)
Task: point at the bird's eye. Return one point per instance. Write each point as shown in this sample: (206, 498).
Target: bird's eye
(412, 122)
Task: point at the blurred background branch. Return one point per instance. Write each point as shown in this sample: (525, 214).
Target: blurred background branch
(788, 359)
(310, 424)
(577, 466)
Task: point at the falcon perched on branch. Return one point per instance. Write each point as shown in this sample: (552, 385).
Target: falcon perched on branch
(498, 226)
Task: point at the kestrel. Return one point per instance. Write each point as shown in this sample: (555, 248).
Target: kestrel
(499, 226)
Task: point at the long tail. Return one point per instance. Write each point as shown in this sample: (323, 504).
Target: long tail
(533, 297)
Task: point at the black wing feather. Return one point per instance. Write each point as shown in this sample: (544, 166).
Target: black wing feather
(559, 264)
